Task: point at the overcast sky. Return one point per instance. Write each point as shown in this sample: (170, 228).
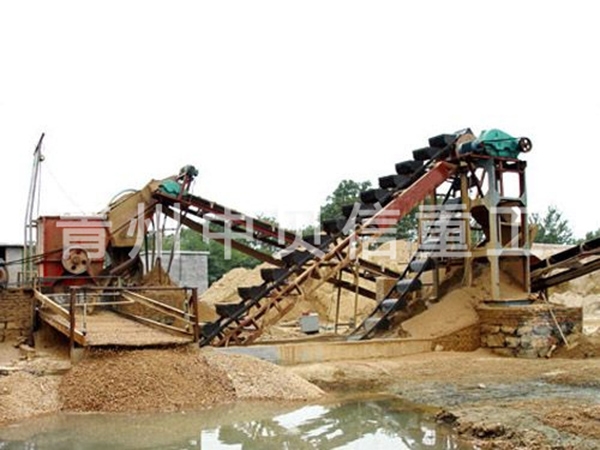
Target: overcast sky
(276, 102)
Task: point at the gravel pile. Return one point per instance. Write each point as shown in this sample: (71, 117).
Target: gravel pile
(260, 380)
(144, 380)
(171, 380)
(23, 395)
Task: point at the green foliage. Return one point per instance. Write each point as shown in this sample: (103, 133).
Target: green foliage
(552, 228)
(347, 192)
(592, 235)
(308, 230)
(262, 246)
(407, 227)
(218, 263)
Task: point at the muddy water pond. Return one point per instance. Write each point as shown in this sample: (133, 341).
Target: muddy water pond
(375, 423)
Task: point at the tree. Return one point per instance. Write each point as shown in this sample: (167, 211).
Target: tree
(407, 227)
(346, 193)
(552, 228)
(263, 246)
(592, 235)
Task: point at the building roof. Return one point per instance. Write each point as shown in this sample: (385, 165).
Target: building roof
(4, 244)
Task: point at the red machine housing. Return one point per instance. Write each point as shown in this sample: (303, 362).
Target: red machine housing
(72, 248)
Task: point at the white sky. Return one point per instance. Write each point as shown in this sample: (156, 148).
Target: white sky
(276, 102)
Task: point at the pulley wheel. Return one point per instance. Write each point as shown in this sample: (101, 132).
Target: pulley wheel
(75, 260)
(525, 144)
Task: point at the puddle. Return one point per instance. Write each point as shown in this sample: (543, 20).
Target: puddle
(381, 423)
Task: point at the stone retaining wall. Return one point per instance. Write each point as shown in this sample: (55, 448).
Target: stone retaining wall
(527, 331)
(16, 314)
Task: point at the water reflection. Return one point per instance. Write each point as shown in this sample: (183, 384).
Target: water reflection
(377, 423)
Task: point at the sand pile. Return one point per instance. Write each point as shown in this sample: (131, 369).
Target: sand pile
(581, 346)
(321, 300)
(457, 308)
(157, 277)
(454, 312)
(224, 290)
(394, 255)
(169, 380)
(260, 380)
(177, 298)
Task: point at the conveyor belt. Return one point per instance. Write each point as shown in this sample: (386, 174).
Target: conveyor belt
(566, 265)
(335, 252)
(263, 305)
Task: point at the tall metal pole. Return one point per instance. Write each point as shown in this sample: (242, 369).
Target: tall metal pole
(32, 202)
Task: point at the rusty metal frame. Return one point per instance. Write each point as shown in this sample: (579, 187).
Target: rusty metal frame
(248, 324)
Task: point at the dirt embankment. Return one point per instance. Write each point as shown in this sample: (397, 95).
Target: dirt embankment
(494, 402)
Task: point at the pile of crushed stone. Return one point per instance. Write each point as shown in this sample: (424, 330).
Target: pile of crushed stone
(24, 395)
(254, 379)
(174, 379)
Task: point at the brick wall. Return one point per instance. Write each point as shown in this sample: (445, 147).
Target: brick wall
(16, 314)
(527, 331)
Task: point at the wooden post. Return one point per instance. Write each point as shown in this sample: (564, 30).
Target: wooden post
(356, 283)
(72, 299)
(337, 304)
(196, 314)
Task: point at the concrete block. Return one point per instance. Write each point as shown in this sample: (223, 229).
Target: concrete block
(309, 323)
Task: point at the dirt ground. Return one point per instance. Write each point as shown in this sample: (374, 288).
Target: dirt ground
(161, 379)
(494, 402)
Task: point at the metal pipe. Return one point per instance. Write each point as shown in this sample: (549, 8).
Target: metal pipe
(34, 187)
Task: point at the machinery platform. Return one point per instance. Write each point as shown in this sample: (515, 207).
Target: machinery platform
(110, 329)
(105, 327)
